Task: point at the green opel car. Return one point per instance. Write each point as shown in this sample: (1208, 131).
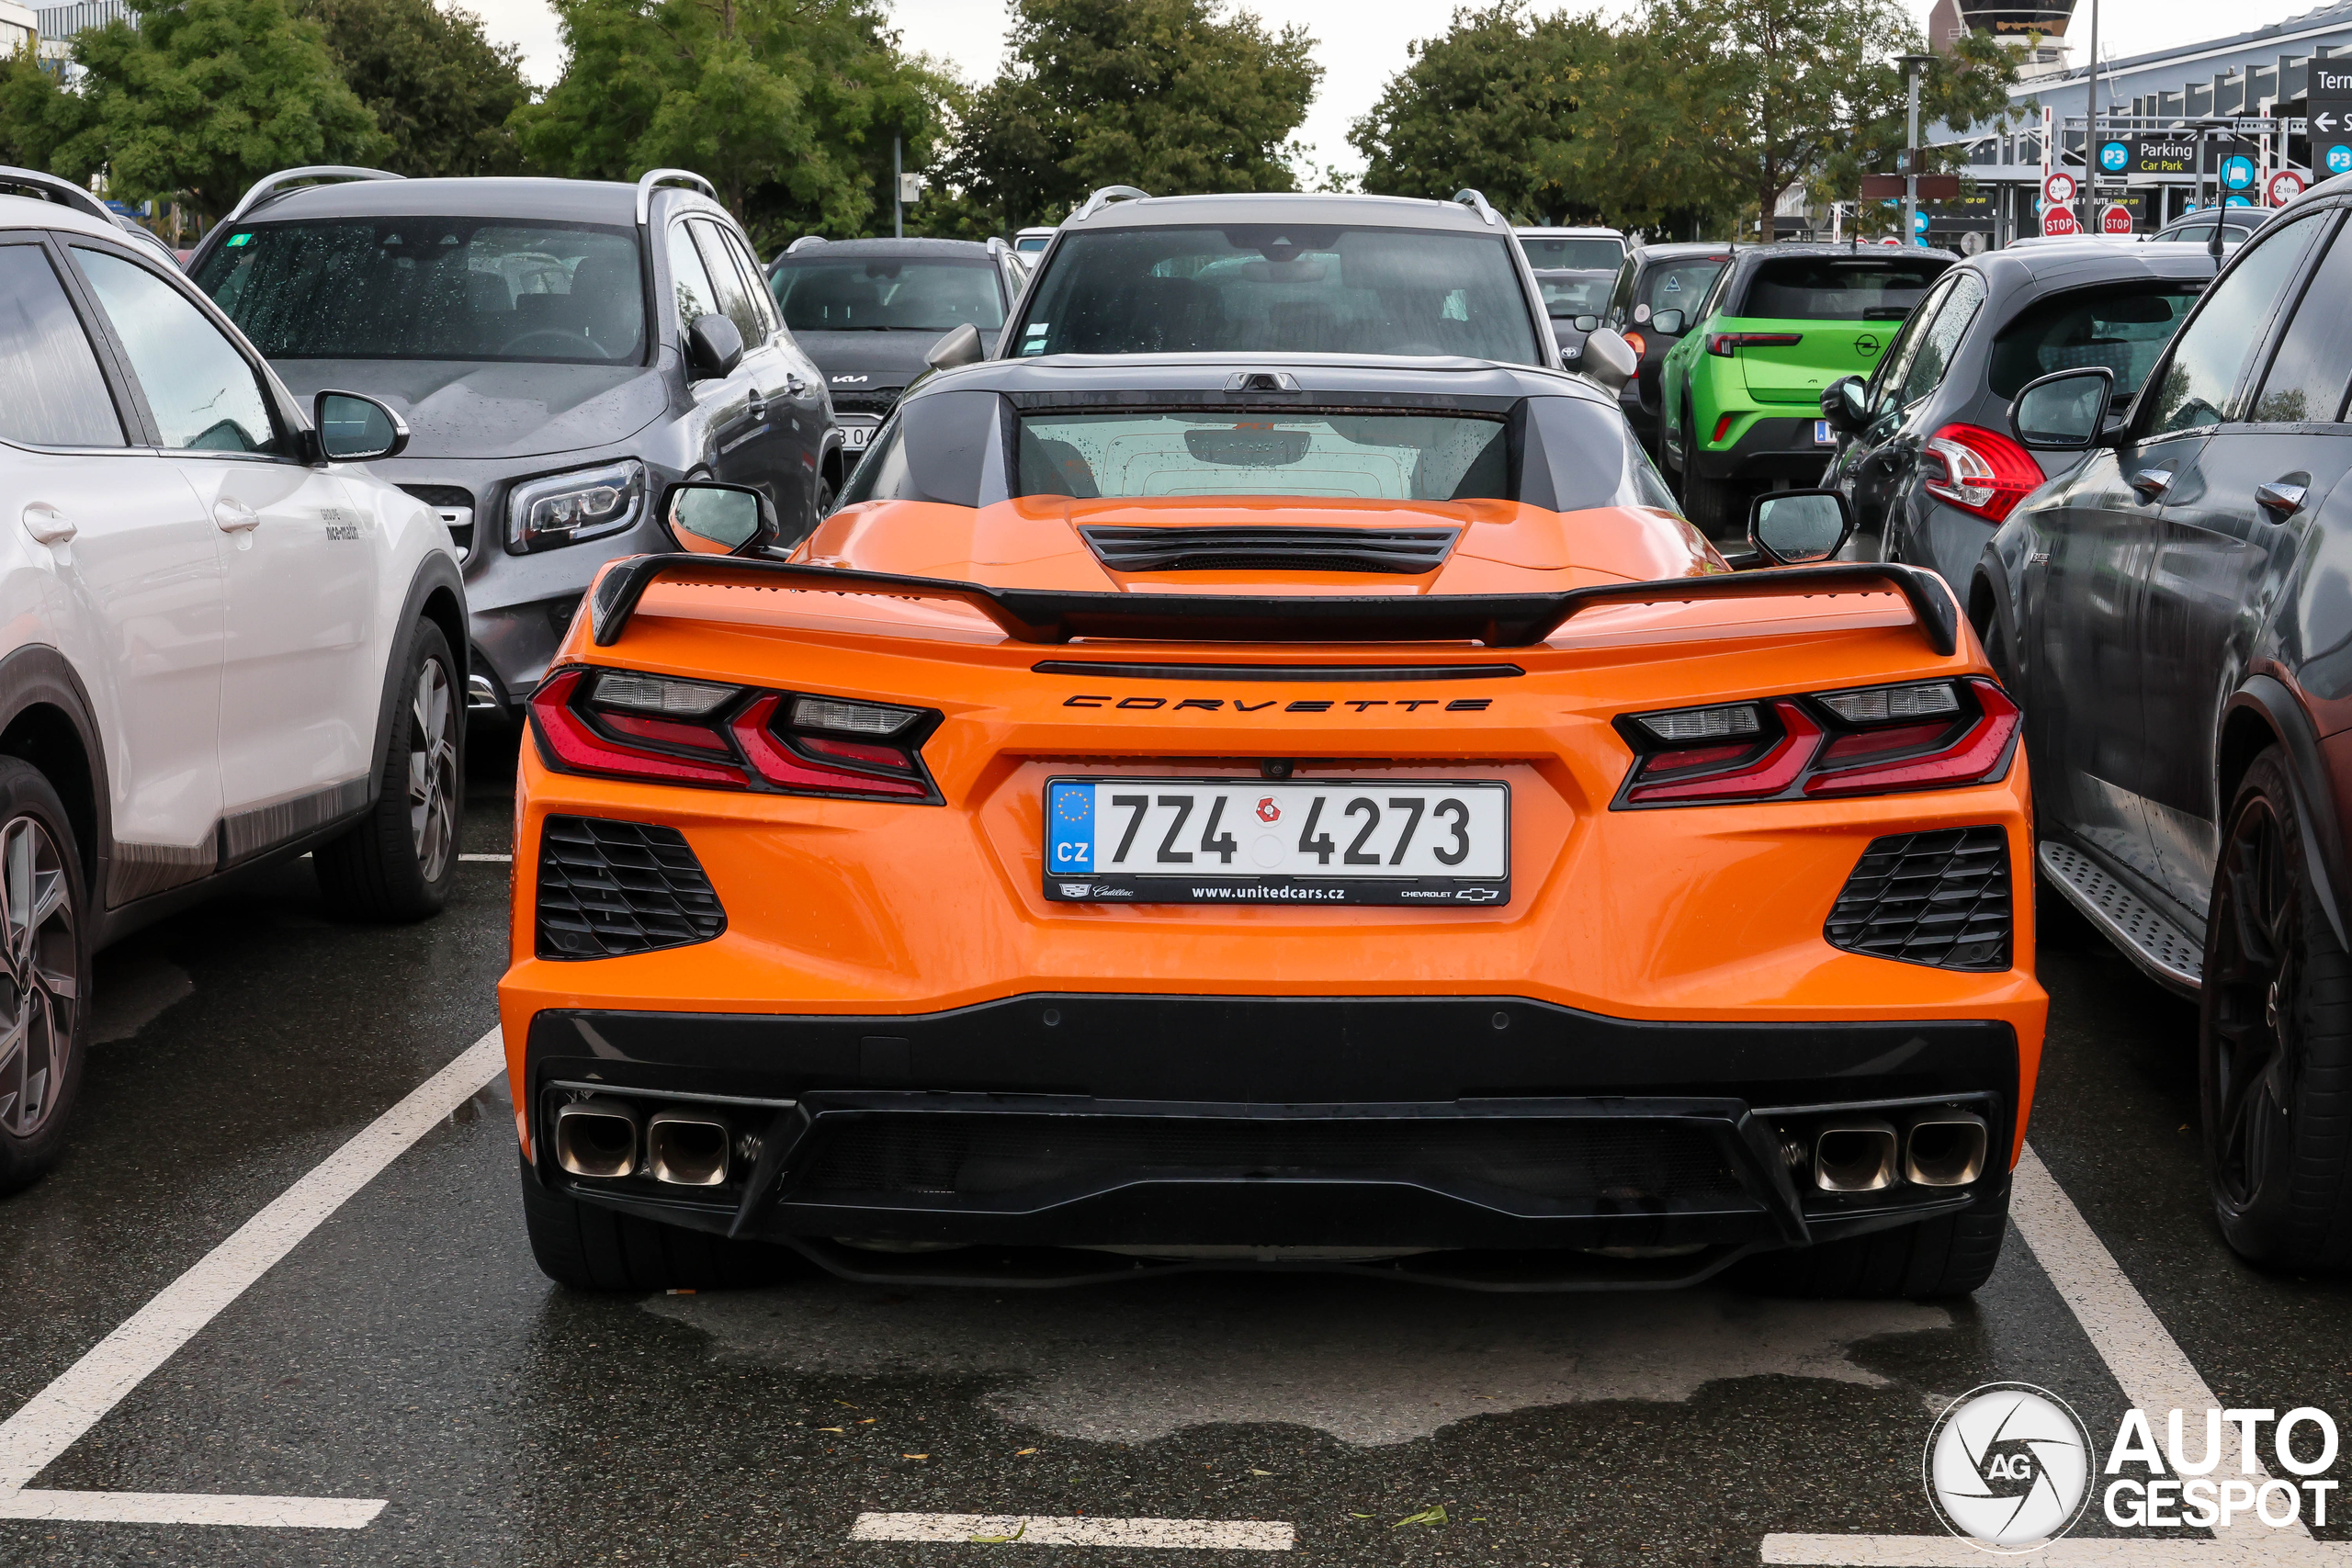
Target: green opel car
(1741, 393)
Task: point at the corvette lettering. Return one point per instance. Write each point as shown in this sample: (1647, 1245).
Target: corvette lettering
(1306, 704)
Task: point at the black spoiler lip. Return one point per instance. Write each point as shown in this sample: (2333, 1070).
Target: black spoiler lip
(1496, 620)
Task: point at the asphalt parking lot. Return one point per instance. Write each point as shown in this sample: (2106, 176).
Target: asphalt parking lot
(374, 1371)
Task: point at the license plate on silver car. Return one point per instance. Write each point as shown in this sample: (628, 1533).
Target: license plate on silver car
(1251, 841)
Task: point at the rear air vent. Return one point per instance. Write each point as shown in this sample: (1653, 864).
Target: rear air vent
(610, 888)
(1406, 552)
(1941, 898)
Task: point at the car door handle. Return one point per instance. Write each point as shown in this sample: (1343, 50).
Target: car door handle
(2150, 484)
(45, 523)
(794, 385)
(2280, 497)
(234, 516)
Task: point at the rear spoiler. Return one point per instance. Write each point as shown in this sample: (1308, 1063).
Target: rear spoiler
(1497, 620)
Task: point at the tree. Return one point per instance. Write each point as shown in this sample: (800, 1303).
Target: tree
(441, 92)
(200, 101)
(1166, 95)
(788, 106)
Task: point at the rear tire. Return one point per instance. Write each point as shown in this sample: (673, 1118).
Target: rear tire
(44, 973)
(1718, 508)
(401, 861)
(1949, 1255)
(589, 1247)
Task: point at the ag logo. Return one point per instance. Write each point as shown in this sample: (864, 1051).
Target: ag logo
(2008, 1466)
(1866, 345)
(1268, 811)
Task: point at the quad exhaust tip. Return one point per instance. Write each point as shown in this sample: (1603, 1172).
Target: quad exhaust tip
(596, 1137)
(685, 1149)
(1946, 1149)
(1856, 1154)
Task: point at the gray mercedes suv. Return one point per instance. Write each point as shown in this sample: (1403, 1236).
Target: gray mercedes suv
(562, 352)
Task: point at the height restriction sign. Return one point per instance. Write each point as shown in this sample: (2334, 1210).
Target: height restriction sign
(2283, 187)
(2057, 187)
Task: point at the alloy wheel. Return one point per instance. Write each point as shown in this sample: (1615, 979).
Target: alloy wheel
(2255, 981)
(432, 771)
(39, 976)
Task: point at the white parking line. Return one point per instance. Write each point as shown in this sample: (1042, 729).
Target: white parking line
(2155, 1376)
(1045, 1529)
(54, 1419)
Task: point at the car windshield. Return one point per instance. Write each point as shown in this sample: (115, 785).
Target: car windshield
(1575, 293)
(1587, 254)
(433, 288)
(1678, 285)
(887, 294)
(2123, 329)
(1281, 289)
(1360, 457)
(1838, 288)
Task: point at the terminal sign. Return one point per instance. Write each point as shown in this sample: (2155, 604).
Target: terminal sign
(2331, 119)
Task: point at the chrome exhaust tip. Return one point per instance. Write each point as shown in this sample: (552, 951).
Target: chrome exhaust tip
(596, 1137)
(1854, 1155)
(685, 1149)
(1945, 1148)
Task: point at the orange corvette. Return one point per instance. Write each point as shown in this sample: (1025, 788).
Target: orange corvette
(1182, 813)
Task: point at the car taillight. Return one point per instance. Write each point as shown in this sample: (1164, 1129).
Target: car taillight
(658, 728)
(1722, 428)
(1985, 472)
(1637, 342)
(1868, 740)
(1726, 345)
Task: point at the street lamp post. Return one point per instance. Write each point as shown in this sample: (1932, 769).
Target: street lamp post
(2086, 195)
(1914, 66)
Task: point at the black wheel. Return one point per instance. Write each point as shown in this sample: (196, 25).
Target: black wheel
(589, 1247)
(824, 499)
(44, 973)
(401, 861)
(1717, 507)
(1949, 1255)
(1671, 446)
(2275, 1041)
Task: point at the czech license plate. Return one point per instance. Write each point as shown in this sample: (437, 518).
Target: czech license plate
(1250, 841)
(855, 436)
(1822, 434)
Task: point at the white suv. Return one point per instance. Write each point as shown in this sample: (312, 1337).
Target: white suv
(221, 645)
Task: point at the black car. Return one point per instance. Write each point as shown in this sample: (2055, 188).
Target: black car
(870, 311)
(2176, 617)
(1655, 301)
(562, 351)
(1925, 454)
(1575, 302)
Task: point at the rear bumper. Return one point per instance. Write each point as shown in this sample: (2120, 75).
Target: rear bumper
(1056, 1120)
(1766, 446)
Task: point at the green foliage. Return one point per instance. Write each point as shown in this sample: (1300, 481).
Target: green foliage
(787, 106)
(441, 92)
(1166, 95)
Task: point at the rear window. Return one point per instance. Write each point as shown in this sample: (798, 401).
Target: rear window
(1375, 456)
(1575, 293)
(850, 294)
(1601, 254)
(2124, 330)
(1281, 288)
(1678, 285)
(1838, 288)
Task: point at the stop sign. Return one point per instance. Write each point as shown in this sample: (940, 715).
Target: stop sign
(2115, 219)
(2058, 221)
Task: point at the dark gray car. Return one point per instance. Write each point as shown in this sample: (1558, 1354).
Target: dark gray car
(562, 352)
(1925, 454)
(1655, 301)
(2176, 618)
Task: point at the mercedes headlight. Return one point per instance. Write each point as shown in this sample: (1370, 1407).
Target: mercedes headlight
(586, 503)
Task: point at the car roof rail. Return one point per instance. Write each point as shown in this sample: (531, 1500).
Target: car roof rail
(803, 243)
(57, 188)
(1477, 202)
(275, 185)
(654, 178)
(1105, 198)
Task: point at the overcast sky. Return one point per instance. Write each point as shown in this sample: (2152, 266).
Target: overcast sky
(1361, 46)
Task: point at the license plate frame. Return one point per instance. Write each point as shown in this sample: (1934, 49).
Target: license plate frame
(1483, 832)
(856, 437)
(1822, 434)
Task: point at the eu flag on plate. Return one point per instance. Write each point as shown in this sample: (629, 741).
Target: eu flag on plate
(1069, 827)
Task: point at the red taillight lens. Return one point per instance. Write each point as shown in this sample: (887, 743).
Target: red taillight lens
(630, 725)
(1637, 342)
(1984, 471)
(1722, 428)
(1726, 345)
(1870, 741)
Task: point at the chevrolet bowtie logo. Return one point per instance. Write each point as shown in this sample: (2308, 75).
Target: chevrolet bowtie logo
(1477, 894)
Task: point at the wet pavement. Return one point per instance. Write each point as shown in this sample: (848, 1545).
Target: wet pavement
(408, 1350)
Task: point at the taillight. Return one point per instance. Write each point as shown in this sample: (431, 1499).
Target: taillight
(1637, 341)
(1868, 740)
(658, 728)
(1726, 345)
(1985, 472)
(1722, 428)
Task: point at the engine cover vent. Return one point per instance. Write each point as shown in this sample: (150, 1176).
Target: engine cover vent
(1397, 552)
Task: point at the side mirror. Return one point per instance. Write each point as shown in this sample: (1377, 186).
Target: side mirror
(706, 519)
(961, 346)
(1668, 322)
(356, 429)
(1843, 404)
(1791, 527)
(714, 347)
(1587, 323)
(2064, 412)
(1610, 359)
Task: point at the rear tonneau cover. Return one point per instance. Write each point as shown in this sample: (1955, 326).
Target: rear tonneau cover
(1497, 620)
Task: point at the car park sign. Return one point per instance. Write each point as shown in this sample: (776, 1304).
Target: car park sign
(2238, 173)
(2115, 156)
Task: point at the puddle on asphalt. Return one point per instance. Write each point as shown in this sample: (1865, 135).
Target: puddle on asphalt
(1366, 1362)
